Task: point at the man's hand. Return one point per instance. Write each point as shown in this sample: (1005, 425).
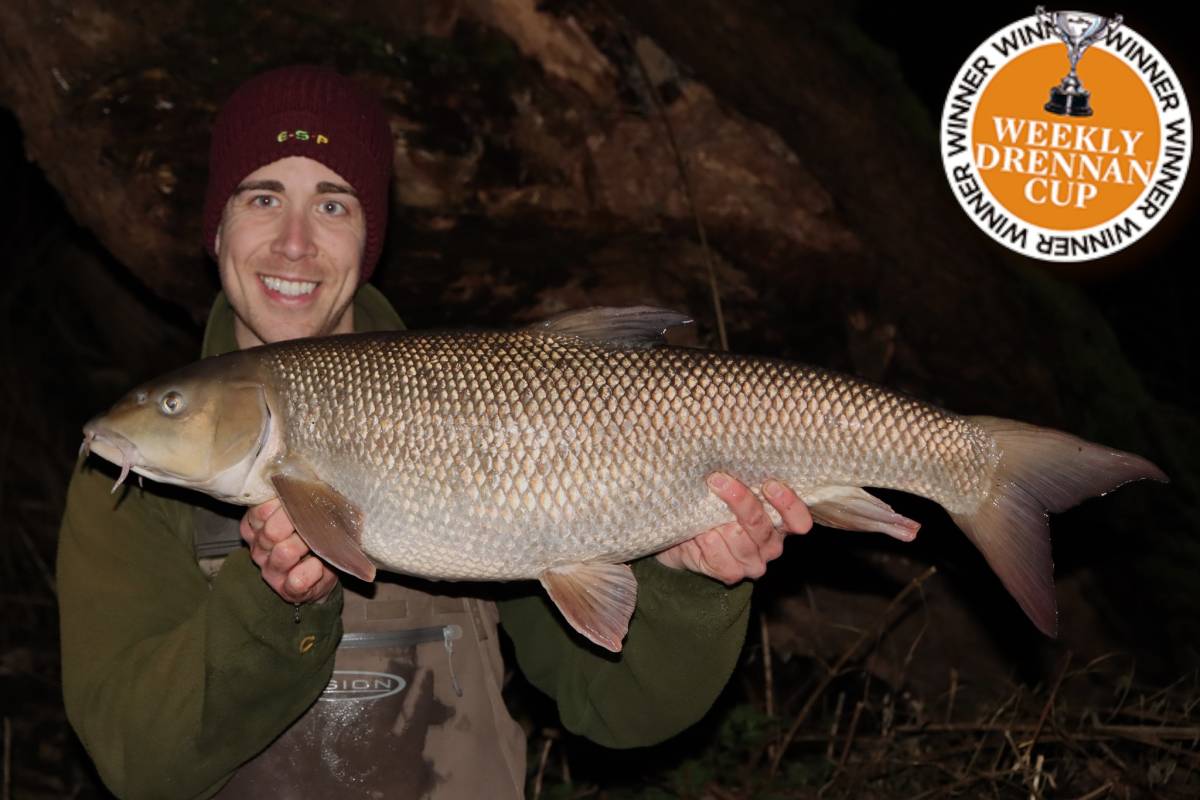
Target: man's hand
(738, 550)
(285, 560)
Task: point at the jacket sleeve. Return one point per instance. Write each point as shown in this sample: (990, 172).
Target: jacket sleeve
(171, 681)
(683, 643)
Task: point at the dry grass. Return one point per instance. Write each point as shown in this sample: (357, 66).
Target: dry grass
(1094, 732)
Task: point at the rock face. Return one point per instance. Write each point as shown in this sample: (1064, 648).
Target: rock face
(557, 155)
(549, 159)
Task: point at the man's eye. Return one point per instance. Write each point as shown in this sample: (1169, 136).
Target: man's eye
(264, 201)
(333, 208)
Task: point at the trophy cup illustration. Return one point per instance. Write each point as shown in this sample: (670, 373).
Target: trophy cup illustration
(1079, 30)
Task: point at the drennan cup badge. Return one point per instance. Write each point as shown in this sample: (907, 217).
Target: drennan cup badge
(1066, 136)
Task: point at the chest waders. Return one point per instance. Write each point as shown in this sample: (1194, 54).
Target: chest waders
(413, 708)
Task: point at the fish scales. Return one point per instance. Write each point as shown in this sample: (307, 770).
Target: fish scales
(495, 455)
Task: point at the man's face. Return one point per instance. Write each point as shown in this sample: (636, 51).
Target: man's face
(289, 247)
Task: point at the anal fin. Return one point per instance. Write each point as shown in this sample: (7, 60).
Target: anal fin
(328, 523)
(853, 509)
(597, 600)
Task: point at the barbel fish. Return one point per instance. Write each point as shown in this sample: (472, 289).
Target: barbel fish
(561, 451)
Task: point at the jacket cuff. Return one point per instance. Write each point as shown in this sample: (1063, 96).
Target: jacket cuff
(271, 620)
(689, 598)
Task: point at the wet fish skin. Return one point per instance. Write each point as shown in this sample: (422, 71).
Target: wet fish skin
(558, 451)
(494, 456)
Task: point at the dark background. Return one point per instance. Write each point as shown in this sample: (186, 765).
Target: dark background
(1105, 349)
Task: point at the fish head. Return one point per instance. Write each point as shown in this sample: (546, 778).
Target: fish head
(203, 427)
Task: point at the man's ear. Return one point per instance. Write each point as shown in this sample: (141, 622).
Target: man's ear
(217, 240)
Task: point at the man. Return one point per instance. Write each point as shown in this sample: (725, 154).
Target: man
(192, 667)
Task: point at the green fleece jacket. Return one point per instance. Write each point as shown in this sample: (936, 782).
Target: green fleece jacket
(172, 679)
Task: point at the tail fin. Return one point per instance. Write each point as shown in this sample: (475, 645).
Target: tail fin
(1039, 470)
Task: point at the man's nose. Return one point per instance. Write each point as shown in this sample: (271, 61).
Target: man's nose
(294, 239)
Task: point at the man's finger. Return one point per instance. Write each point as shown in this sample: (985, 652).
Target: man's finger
(717, 561)
(260, 555)
(247, 530)
(310, 581)
(745, 549)
(744, 505)
(773, 548)
(795, 514)
(323, 586)
(257, 515)
(279, 525)
(303, 578)
(287, 554)
(255, 519)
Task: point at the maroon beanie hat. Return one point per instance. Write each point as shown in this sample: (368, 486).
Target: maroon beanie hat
(303, 111)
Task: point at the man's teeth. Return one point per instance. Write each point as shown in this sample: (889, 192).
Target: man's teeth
(290, 288)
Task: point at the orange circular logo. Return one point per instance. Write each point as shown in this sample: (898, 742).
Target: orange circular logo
(1066, 136)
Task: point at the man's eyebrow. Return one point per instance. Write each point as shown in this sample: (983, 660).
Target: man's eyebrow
(259, 186)
(323, 187)
(326, 187)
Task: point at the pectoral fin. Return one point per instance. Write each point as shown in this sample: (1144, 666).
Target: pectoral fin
(328, 523)
(853, 509)
(596, 599)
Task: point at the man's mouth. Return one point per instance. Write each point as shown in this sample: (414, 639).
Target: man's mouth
(289, 288)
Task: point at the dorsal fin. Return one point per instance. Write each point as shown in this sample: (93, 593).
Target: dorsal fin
(636, 326)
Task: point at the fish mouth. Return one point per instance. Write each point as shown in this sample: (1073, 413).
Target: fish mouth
(119, 450)
(111, 446)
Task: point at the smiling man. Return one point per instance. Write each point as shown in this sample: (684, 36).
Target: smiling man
(206, 651)
(294, 235)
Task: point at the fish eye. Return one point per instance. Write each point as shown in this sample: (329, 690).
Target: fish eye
(171, 403)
